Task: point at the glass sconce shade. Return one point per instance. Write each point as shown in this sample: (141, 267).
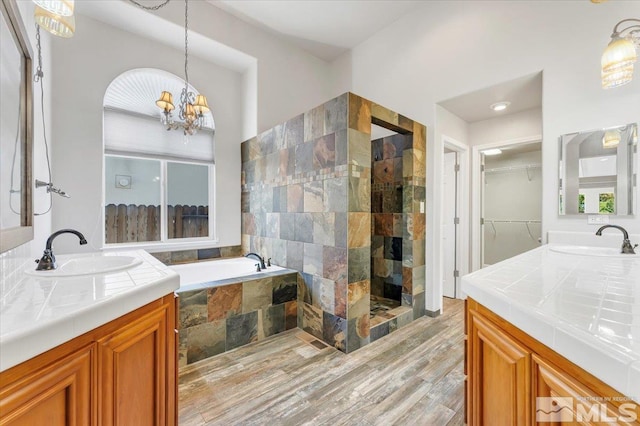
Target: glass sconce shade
(617, 77)
(201, 105)
(620, 53)
(57, 7)
(165, 102)
(190, 113)
(58, 25)
(611, 139)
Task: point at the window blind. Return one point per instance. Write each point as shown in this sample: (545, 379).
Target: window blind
(128, 133)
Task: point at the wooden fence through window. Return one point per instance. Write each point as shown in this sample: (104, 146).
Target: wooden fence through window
(133, 223)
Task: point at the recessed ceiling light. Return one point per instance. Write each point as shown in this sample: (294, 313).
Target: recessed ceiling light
(494, 151)
(500, 106)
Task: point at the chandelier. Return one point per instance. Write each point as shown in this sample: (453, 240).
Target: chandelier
(621, 53)
(192, 107)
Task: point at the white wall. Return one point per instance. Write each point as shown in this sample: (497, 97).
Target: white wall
(504, 128)
(449, 48)
(83, 68)
(289, 80)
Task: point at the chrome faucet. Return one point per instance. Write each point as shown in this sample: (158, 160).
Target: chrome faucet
(258, 257)
(627, 248)
(48, 261)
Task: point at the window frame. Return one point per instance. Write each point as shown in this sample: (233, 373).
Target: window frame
(164, 242)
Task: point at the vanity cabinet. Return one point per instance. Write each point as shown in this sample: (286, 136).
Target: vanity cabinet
(122, 373)
(507, 370)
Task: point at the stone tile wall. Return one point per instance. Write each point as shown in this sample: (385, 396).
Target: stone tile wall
(217, 319)
(306, 203)
(195, 255)
(386, 212)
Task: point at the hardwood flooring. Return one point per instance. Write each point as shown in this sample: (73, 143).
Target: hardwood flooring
(413, 376)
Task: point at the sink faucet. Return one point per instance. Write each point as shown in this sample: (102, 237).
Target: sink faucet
(627, 248)
(48, 260)
(258, 257)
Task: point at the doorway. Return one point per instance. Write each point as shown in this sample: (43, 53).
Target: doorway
(388, 221)
(510, 199)
(454, 216)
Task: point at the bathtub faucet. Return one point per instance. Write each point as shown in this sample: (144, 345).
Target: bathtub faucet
(258, 257)
(627, 248)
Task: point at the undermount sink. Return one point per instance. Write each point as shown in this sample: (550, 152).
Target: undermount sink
(591, 251)
(88, 265)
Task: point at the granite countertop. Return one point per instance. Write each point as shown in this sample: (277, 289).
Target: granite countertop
(586, 308)
(38, 314)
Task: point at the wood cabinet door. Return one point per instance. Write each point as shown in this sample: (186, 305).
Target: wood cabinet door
(132, 379)
(561, 400)
(58, 394)
(500, 376)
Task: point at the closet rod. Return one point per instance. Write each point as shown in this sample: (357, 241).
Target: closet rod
(512, 221)
(511, 168)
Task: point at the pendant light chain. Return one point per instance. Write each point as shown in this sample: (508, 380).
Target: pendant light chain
(156, 7)
(38, 74)
(186, 44)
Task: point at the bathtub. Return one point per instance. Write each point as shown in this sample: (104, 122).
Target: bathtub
(225, 304)
(216, 273)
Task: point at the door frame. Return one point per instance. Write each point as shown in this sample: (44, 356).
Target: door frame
(476, 195)
(462, 200)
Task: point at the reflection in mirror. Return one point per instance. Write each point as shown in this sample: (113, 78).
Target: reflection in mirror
(15, 130)
(598, 171)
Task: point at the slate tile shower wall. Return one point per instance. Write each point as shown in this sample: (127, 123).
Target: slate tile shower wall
(387, 215)
(306, 204)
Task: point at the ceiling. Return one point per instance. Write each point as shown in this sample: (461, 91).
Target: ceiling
(324, 28)
(523, 93)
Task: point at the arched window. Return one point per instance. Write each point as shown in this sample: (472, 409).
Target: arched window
(158, 183)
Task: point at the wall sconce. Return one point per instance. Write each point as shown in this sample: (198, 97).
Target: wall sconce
(620, 55)
(611, 139)
(56, 16)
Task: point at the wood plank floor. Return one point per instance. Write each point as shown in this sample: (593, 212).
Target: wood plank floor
(413, 376)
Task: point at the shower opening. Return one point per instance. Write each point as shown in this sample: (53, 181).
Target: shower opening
(389, 226)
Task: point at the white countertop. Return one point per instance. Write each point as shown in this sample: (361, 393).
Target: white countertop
(586, 308)
(38, 314)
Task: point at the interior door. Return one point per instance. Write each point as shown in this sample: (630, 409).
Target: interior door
(482, 215)
(449, 214)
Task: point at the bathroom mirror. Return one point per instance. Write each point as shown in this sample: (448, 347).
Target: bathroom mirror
(16, 127)
(598, 171)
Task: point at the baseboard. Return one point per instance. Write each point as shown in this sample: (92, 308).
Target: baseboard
(432, 314)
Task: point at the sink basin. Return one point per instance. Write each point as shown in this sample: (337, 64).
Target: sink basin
(88, 265)
(591, 251)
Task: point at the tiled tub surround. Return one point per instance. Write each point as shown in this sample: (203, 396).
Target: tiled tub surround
(306, 203)
(38, 314)
(219, 315)
(586, 308)
(177, 257)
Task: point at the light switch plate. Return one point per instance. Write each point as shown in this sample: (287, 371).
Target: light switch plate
(421, 206)
(597, 219)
